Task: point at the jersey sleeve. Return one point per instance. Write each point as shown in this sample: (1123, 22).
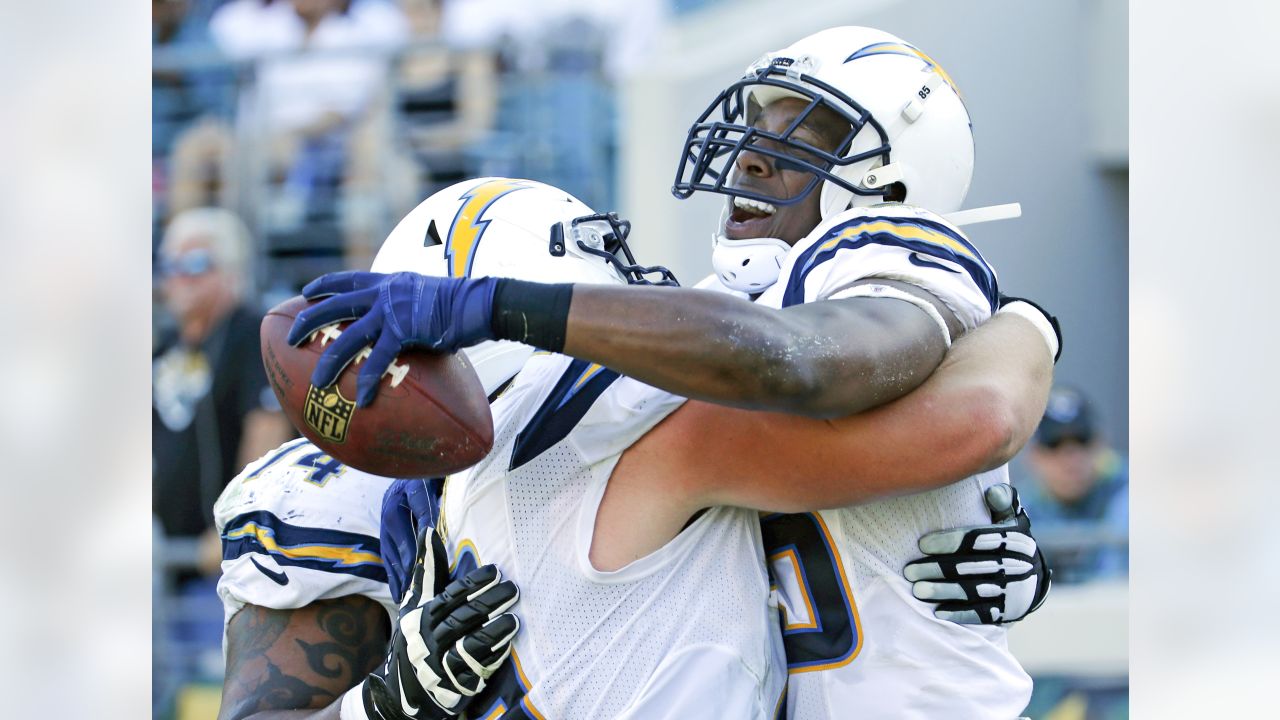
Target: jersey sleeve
(600, 410)
(622, 415)
(298, 526)
(899, 243)
(547, 401)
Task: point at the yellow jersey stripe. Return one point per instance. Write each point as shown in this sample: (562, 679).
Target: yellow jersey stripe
(266, 537)
(587, 374)
(908, 232)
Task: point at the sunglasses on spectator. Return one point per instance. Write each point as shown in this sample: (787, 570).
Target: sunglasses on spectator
(191, 264)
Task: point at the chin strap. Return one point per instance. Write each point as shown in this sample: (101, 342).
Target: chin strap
(750, 265)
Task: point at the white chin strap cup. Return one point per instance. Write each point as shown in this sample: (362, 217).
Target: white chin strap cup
(749, 265)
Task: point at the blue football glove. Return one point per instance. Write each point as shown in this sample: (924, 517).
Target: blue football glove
(407, 507)
(986, 574)
(391, 313)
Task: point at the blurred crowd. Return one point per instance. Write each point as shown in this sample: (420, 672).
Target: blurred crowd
(317, 121)
(321, 122)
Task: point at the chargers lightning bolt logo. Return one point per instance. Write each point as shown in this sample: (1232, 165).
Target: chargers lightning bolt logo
(467, 226)
(892, 48)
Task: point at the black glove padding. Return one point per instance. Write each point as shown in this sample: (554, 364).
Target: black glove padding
(445, 648)
(985, 574)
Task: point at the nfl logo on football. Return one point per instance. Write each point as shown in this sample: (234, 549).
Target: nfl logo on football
(328, 413)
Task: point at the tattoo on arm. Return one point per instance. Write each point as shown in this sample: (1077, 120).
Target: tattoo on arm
(281, 660)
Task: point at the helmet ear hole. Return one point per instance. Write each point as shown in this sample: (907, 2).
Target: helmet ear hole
(896, 192)
(433, 235)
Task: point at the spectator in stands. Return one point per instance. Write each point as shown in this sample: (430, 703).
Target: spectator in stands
(562, 63)
(319, 65)
(447, 96)
(1081, 493)
(178, 98)
(212, 409)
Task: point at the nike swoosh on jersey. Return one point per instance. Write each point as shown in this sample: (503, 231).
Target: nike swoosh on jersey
(277, 576)
(921, 261)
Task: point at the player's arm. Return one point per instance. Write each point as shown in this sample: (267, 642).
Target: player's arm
(971, 415)
(822, 359)
(297, 663)
(263, 429)
(338, 659)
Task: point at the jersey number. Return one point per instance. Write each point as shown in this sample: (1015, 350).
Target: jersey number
(502, 696)
(323, 466)
(820, 624)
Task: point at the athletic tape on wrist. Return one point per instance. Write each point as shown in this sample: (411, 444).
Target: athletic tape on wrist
(886, 291)
(352, 707)
(1035, 317)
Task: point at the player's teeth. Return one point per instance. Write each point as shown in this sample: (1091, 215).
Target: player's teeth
(762, 208)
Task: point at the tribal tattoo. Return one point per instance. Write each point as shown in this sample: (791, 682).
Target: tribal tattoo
(281, 660)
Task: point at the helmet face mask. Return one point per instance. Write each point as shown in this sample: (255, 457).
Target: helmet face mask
(604, 235)
(910, 137)
(713, 146)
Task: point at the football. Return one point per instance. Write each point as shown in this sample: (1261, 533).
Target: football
(430, 418)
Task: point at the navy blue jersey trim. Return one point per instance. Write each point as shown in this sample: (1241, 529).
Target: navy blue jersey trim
(263, 533)
(568, 402)
(823, 250)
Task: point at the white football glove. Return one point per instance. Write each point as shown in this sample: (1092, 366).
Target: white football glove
(443, 649)
(985, 574)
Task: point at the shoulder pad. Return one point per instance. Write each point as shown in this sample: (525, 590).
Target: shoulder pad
(306, 484)
(893, 241)
(298, 526)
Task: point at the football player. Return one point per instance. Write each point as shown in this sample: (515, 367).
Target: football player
(291, 645)
(314, 582)
(837, 154)
(310, 625)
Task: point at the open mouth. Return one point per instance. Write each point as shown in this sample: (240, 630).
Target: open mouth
(745, 209)
(749, 219)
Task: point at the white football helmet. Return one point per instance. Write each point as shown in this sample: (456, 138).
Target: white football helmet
(522, 229)
(908, 127)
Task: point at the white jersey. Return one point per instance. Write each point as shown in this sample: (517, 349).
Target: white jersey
(685, 632)
(298, 526)
(858, 643)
